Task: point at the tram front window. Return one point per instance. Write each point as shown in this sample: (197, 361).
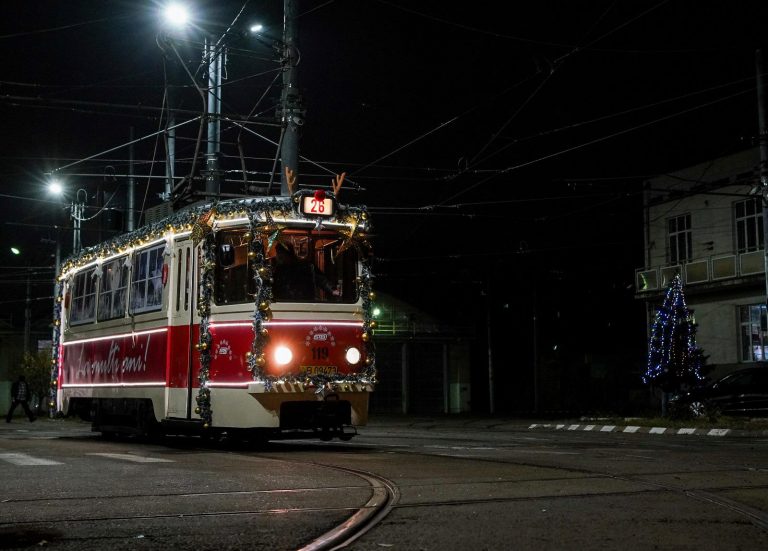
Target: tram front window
(309, 267)
(306, 267)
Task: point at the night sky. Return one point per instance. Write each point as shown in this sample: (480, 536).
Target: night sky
(501, 146)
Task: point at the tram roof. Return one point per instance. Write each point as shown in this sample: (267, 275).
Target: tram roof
(262, 209)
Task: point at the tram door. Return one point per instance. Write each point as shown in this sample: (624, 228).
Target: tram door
(184, 321)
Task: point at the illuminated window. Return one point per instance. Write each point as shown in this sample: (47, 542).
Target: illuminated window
(83, 297)
(113, 289)
(147, 280)
(307, 266)
(753, 334)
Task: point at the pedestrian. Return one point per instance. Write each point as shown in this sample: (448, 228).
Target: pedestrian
(20, 395)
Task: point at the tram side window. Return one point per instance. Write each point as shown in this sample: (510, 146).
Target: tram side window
(83, 297)
(112, 291)
(147, 280)
(234, 281)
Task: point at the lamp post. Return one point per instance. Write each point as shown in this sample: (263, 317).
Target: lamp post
(178, 18)
(76, 211)
(291, 111)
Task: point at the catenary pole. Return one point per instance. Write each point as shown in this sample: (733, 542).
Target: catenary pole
(763, 145)
(213, 57)
(292, 115)
(131, 199)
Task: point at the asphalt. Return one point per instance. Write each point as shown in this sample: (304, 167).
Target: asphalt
(46, 427)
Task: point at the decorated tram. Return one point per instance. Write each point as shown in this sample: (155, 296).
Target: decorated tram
(247, 316)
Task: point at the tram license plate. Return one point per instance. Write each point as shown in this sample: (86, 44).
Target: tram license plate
(319, 369)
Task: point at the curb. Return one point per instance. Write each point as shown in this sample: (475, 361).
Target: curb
(635, 429)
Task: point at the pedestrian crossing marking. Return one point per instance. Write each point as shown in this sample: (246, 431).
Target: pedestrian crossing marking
(24, 460)
(133, 458)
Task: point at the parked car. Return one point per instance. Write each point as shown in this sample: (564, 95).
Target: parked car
(742, 392)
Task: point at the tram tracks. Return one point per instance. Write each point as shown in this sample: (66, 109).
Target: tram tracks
(384, 495)
(376, 496)
(756, 516)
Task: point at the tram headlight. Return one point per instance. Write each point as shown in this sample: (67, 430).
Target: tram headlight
(353, 355)
(283, 355)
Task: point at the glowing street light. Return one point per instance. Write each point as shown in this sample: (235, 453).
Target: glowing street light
(16, 251)
(177, 15)
(257, 28)
(55, 187)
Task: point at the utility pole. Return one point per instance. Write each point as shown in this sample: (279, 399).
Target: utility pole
(489, 320)
(76, 211)
(131, 199)
(292, 114)
(763, 144)
(28, 313)
(213, 54)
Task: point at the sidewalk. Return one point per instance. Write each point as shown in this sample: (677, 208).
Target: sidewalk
(68, 426)
(628, 426)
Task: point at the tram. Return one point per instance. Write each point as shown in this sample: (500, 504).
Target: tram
(243, 316)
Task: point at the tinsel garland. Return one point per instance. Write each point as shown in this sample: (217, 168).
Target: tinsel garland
(262, 227)
(52, 412)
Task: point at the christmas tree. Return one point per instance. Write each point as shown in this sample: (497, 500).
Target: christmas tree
(674, 360)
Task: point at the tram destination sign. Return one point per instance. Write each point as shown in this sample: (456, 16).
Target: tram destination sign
(317, 205)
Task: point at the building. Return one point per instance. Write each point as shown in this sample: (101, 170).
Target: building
(705, 222)
(423, 363)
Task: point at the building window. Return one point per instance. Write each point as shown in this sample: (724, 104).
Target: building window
(749, 225)
(680, 240)
(753, 332)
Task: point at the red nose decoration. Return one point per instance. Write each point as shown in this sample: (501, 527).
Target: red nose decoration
(319, 195)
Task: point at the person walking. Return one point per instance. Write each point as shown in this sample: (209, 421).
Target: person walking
(20, 395)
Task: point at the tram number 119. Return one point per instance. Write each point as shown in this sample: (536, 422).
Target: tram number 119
(320, 353)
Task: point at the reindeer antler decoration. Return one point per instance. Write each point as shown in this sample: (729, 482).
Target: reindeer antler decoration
(336, 183)
(290, 179)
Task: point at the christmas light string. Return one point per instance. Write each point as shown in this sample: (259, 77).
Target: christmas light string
(674, 358)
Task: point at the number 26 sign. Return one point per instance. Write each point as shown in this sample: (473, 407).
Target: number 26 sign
(317, 206)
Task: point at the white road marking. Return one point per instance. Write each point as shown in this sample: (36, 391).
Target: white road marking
(25, 460)
(133, 458)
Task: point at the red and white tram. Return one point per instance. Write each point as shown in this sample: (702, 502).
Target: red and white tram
(249, 315)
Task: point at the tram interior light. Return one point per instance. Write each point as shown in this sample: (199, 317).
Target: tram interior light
(283, 355)
(353, 355)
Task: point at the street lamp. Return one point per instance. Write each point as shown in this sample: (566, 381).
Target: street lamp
(76, 209)
(177, 15)
(214, 56)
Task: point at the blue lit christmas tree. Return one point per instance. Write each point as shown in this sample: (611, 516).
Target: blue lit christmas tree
(674, 360)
